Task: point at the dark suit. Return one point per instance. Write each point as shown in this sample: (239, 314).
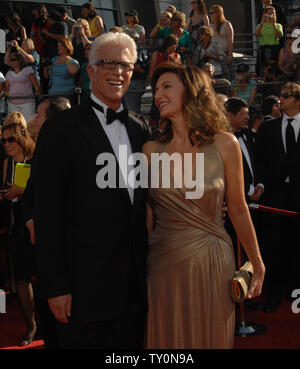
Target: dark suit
(92, 242)
(281, 234)
(249, 179)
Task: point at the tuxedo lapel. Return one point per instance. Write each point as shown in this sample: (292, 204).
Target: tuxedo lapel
(251, 156)
(135, 147)
(92, 129)
(278, 137)
(97, 139)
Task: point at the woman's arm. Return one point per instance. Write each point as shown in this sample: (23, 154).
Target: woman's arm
(34, 83)
(205, 20)
(27, 57)
(259, 29)
(230, 37)
(23, 33)
(7, 56)
(150, 218)
(153, 33)
(6, 87)
(277, 29)
(178, 59)
(72, 67)
(142, 40)
(99, 25)
(252, 95)
(238, 211)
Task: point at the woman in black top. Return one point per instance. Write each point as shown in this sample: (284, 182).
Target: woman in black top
(19, 148)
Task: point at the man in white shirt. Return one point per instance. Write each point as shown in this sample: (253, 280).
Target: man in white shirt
(238, 114)
(278, 149)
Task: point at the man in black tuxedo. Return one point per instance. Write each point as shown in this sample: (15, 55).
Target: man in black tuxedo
(238, 114)
(278, 149)
(270, 108)
(92, 241)
(47, 109)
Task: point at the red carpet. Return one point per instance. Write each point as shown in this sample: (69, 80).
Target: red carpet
(283, 329)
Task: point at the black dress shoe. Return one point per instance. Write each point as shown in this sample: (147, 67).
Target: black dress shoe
(271, 305)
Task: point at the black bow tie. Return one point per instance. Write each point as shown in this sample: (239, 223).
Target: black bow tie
(111, 115)
(238, 134)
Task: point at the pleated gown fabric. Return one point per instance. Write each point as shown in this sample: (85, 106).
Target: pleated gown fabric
(190, 265)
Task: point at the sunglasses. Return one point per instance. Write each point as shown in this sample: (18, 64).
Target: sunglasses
(10, 139)
(286, 95)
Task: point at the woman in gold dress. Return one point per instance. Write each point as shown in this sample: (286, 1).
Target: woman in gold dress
(191, 259)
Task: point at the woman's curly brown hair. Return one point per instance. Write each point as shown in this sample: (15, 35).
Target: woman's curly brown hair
(204, 113)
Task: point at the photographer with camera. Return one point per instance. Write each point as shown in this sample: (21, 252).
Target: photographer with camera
(269, 33)
(80, 37)
(27, 51)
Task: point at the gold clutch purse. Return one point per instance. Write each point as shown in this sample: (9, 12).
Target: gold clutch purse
(240, 282)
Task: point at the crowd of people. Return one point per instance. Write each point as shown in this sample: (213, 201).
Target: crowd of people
(93, 270)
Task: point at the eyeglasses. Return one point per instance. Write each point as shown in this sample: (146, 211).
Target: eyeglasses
(10, 139)
(286, 95)
(113, 64)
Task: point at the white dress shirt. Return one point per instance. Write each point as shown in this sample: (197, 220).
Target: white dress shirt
(295, 124)
(245, 152)
(117, 135)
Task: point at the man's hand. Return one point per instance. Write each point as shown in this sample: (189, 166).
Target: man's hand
(13, 192)
(30, 227)
(258, 191)
(61, 307)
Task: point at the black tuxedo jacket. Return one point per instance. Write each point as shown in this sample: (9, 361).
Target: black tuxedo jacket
(88, 239)
(273, 163)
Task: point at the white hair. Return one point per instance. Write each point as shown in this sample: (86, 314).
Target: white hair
(115, 40)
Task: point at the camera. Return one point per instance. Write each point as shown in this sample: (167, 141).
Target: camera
(10, 43)
(270, 16)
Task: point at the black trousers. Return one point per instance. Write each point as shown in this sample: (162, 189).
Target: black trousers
(281, 246)
(126, 332)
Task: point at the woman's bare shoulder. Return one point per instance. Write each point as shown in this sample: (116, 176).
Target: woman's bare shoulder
(150, 146)
(227, 144)
(225, 138)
